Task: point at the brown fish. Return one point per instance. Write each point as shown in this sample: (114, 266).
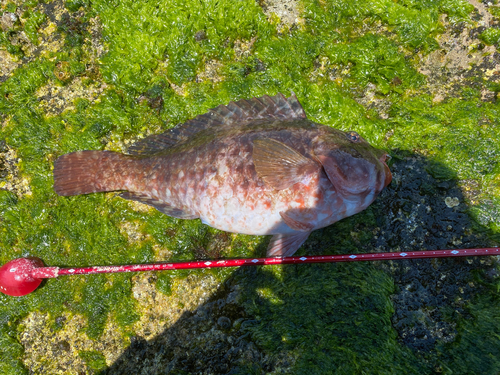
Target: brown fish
(256, 166)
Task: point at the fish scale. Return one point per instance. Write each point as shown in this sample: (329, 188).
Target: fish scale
(257, 166)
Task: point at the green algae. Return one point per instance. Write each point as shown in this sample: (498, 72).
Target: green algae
(494, 10)
(329, 61)
(352, 299)
(33, 21)
(94, 360)
(469, 353)
(490, 36)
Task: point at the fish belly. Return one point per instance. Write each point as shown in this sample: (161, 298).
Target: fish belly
(249, 215)
(243, 204)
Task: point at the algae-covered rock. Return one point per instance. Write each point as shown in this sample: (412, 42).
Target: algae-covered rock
(10, 176)
(419, 80)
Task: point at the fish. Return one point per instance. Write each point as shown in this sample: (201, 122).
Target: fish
(255, 166)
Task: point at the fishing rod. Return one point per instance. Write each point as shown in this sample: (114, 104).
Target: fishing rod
(22, 276)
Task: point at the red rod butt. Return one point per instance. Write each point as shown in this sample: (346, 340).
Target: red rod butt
(16, 276)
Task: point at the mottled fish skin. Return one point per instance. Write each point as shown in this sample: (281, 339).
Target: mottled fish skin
(255, 173)
(219, 184)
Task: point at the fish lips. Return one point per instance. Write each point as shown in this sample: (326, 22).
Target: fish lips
(388, 175)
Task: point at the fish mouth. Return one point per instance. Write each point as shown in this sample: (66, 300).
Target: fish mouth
(388, 175)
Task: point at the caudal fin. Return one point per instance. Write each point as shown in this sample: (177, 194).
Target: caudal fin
(85, 172)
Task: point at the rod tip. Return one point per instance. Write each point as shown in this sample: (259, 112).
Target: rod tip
(16, 279)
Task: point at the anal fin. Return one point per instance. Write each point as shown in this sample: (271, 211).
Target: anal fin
(160, 206)
(285, 245)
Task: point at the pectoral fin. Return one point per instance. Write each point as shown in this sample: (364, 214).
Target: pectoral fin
(280, 166)
(285, 245)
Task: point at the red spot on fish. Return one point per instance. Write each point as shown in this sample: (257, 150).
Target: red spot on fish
(300, 201)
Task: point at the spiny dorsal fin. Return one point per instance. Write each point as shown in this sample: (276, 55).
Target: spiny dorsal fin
(234, 114)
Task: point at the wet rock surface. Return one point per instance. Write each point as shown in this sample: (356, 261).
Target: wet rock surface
(463, 56)
(421, 215)
(214, 339)
(10, 177)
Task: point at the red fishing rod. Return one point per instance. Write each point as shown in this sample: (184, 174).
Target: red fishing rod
(22, 276)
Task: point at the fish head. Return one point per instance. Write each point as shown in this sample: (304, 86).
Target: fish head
(352, 165)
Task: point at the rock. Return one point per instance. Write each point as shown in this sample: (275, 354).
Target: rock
(8, 21)
(224, 323)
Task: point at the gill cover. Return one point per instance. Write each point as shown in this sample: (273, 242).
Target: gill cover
(352, 165)
(349, 174)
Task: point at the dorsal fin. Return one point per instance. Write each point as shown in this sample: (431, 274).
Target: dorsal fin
(238, 113)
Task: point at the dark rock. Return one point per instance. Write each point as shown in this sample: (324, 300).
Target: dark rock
(200, 35)
(224, 323)
(419, 219)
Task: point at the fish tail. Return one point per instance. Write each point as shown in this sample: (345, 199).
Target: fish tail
(85, 172)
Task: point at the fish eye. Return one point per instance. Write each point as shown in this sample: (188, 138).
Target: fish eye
(353, 136)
